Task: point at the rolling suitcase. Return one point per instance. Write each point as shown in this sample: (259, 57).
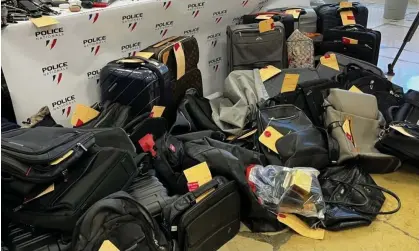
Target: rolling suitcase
(150, 192)
(137, 82)
(21, 238)
(343, 61)
(286, 19)
(329, 15)
(354, 41)
(307, 20)
(247, 48)
(164, 52)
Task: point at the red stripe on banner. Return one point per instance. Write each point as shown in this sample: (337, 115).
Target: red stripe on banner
(97, 49)
(168, 4)
(96, 17)
(68, 111)
(60, 76)
(196, 13)
(133, 26)
(164, 33)
(54, 41)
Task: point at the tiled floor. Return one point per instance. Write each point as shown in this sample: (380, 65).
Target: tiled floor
(396, 232)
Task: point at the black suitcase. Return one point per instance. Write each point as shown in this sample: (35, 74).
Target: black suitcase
(137, 82)
(343, 61)
(329, 15)
(286, 19)
(150, 192)
(22, 238)
(208, 224)
(367, 48)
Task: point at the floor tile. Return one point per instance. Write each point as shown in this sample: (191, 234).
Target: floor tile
(393, 35)
(407, 74)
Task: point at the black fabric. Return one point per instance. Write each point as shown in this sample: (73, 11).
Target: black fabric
(188, 216)
(6, 125)
(194, 114)
(387, 93)
(404, 147)
(352, 197)
(104, 171)
(302, 143)
(231, 161)
(7, 110)
(409, 111)
(111, 115)
(329, 15)
(367, 48)
(121, 220)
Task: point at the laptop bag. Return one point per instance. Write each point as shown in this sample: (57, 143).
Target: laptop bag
(247, 48)
(354, 41)
(111, 115)
(306, 21)
(286, 19)
(105, 171)
(206, 224)
(6, 125)
(137, 82)
(343, 61)
(163, 52)
(329, 15)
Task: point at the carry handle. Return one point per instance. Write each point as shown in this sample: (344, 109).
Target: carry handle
(353, 9)
(351, 26)
(214, 183)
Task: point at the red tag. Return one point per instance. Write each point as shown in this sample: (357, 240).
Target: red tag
(172, 148)
(327, 56)
(147, 144)
(176, 46)
(350, 17)
(79, 123)
(192, 186)
(151, 114)
(346, 40)
(272, 26)
(251, 184)
(349, 136)
(282, 216)
(268, 134)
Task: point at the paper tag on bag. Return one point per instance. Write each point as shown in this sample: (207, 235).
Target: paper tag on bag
(300, 226)
(266, 25)
(46, 191)
(345, 4)
(355, 89)
(44, 21)
(347, 17)
(268, 72)
(290, 82)
(180, 60)
(144, 54)
(330, 61)
(264, 17)
(269, 137)
(348, 131)
(197, 176)
(157, 111)
(402, 131)
(83, 114)
(108, 246)
(294, 12)
(348, 40)
(61, 159)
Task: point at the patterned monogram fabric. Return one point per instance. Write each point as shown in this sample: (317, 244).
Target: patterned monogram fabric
(300, 51)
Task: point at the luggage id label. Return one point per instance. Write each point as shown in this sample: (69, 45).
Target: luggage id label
(264, 17)
(355, 89)
(157, 111)
(300, 226)
(330, 61)
(294, 12)
(46, 191)
(61, 159)
(345, 5)
(108, 246)
(268, 72)
(347, 17)
(144, 54)
(347, 40)
(197, 176)
(348, 132)
(44, 21)
(83, 114)
(180, 60)
(266, 25)
(290, 82)
(269, 137)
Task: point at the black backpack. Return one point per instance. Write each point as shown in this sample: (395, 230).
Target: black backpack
(123, 222)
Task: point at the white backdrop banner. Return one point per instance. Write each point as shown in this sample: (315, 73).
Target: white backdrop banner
(59, 65)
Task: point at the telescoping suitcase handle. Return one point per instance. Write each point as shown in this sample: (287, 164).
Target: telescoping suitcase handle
(351, 26)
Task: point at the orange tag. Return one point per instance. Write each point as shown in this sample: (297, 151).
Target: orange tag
(144, 54)
(180, 60)
(300, 226)
(266, 25)
(197, 176)
(330, 60)
(268, 72)
(108, 246)
(345, 4)
(355, 89)
(290, 82)
(83, 114)
(157, 111)
(294, 12)
(269, 138)
(44, 21)
(264, 17)
(347, 17)
(347, 40)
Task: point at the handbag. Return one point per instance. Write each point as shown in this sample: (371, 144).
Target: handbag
(352, 198)
(302, 144)
(300, 51)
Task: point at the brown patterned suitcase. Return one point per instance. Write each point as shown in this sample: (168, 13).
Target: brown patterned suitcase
(163, 51)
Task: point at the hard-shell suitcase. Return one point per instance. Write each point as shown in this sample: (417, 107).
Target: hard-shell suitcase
(150, 192)
(247, 48)
(137, 82)
(353, 40)
(21, 238)
(163, 51)
(307, 20)
(286, 19)
(329, 15)
(274, 85)
(343, 61)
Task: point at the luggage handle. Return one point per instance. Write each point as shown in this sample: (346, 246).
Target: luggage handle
(302, 12)
(353, 9)
(351, 26)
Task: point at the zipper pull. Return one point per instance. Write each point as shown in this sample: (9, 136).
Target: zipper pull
(82, 146)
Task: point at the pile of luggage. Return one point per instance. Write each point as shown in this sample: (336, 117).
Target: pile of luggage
(156, 166)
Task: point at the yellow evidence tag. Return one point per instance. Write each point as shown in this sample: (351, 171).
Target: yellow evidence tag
(144, 54)
(330, 61)
(294, 12)
(108, 246)
(300, 226)
(355, 89)
(61, 159)
(402, 131)
(345, 4)
(44, 21)
(264, 17)
(347, 130)
(157, 111)
(268, 72)
(83, 114)
(46, 191)
(197, 176)
(266, 25)
(290, 82)
(347, 17)
(347, 40)
(130, 60)
(180, 60)
(269, 137)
